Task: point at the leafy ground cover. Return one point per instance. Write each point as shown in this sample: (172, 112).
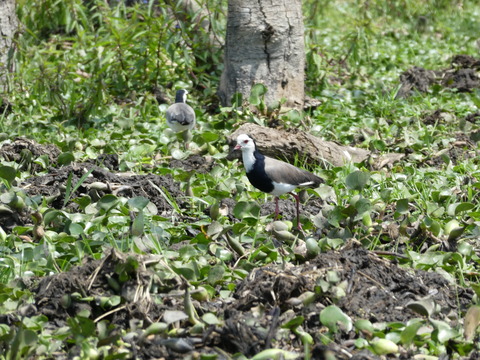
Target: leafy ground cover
(118, 243)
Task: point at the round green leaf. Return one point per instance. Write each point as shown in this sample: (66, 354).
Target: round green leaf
(333, 317)
(107, 202)
(245, 209)
(357, 180)
(65, 158)
(138, 202)
(8, 173)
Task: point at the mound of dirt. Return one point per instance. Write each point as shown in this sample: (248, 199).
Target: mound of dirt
(375, 289)
(24, 151)
(197, 163)
(150, 186)
(461, 76)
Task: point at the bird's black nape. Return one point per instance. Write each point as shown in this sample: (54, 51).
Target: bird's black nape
(180, 95)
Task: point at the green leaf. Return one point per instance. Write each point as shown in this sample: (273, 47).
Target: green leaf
(51, 215)
(138, 202)
(270, 354)
(463, 207)
(107, 202)
(402, 206)
(209, 136)
(357, 180)
(216, 274)
(457, 208)
(332, 316)
(8, 173)
(293, 323)
(256, 94)
(410, 331)
(210, 319)
(237, 99)
(245, 209)
(75, 229)
(364, 325)
(138, 224)
(65, 158)
(294, 116)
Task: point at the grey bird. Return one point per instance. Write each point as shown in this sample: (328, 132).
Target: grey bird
(274, 176)
(181, 116)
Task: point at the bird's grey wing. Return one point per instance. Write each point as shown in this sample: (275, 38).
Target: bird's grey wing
(282, 172)
(184, 115)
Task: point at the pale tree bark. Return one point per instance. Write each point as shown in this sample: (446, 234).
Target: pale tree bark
(265, 45)
(8, 27)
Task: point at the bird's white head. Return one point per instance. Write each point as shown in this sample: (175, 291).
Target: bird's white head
(245, 143)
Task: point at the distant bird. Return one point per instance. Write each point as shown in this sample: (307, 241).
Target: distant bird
(181, 117)
(274, 176)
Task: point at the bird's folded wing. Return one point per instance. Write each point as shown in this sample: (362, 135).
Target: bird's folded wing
(282, 172)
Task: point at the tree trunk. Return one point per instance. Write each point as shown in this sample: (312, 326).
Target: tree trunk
(8, 27)
(265, 45)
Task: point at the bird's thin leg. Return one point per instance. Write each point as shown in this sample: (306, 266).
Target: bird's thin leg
(277, 210)
(187, 136)
(297, 200)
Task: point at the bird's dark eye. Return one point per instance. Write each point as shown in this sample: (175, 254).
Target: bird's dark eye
(245, 141)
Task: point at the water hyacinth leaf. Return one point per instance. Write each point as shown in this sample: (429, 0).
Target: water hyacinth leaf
(209, 136)
(384, 346)
(138, 202)
(463, 207)
(293, 323)
(410, 331)
(357, 180)
(402, 206)
(457, 208)
(211, 319)
(256, 94)
(244, 209)
(275, 354)
(363, 206)
(107, 202)
(51, 215)
(138, 224)
(75, 229)
(294, 116)
(65, 158)
(443, 332)
(8, 173)
(333, 318)
(216, 274)
(364, 326)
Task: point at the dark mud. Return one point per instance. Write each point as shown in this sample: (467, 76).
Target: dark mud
(461, 76)
(376, 289)
(100, 182)
(24, 151)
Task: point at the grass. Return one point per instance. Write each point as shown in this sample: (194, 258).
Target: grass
(87, 79)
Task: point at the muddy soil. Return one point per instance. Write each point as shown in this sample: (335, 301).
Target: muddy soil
(461, 76)
(125, 291)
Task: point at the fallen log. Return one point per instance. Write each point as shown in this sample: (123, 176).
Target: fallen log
(294, 144)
